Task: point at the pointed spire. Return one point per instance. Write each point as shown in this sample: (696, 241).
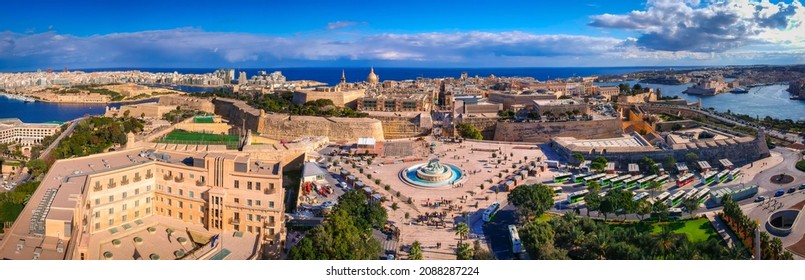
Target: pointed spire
(343, 77)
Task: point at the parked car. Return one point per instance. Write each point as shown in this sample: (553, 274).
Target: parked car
(802, 187)
(779, 192)
(760, 198)
(792, 189)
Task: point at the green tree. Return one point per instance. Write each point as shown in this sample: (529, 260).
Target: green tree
(654, 186)
(37, 167)
(691, 205)
(532, 200)
(416, 251)
(578, 157)
(661, 210)
(691, 158)
(462, 230)
(464, 252)
(643, 208)
(599, 164)
(594, 187)
(469, 131)
(480, 253)
(649, 165)
(592, 201)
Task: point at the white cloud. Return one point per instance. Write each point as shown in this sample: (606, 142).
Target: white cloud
(714, 26)
(340, 24)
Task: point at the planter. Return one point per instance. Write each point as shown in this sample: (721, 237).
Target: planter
(108, 255)
(178, 253)
(138, 240)
(169, 230)
(154, 257)
(182, 240)
(116, 243)
(152, 230)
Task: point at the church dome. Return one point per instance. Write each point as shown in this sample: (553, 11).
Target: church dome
(372, 78)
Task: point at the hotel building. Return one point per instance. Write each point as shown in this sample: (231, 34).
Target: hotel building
(27, 134)
(86, 207)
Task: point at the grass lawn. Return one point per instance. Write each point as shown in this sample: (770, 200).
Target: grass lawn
(695, 229)
(184, 137)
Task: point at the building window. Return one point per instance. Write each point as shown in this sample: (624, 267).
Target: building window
(111, 221)
(136, 214)
(169, 212)
(257, 186)
(237, 184)
(249, 202)
(270, 204)
(237, 200)
(181, 204)
(271, 186)
(137, 203)
(147, 200)
(123, 218)
(147, 211)
(249, 217)
(97, 214)
(125, 194)
(191, 175)
(190, 206)
(249, 185)
(258, 217)
(125, 206)
(169, 202)
(148, 188)
(97, 201)
(180, 215)
(111, 198)
(191, 218)
(181, 192)
(136, 191)
(111, 211)
(249, 228)
(191, 194)
(169, 190)
(257, 202)
(97, 226)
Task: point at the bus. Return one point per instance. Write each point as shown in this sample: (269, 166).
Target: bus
(577, 196)
(662, 197)
(607, 180)
(675, 198)
(684, 180)
(490, 211)
(708, 177)
(644, 182)
(674, 213)
(662, 179)
(735, 174)
(631, 182)
(618, 182)
(639, 196)
(580, 177)
(561, 177)
(702, 195)
(723, 175)
(593, 178)
(517, 245)
(557, 191)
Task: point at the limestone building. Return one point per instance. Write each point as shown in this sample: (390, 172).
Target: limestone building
(108, 206)
(27, 134)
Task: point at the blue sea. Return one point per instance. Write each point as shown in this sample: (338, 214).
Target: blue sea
(760, 101)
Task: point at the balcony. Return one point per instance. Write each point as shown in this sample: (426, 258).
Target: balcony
(234, 221)
(149, 175)
(270, 191)
(167, 177)
(124, 182)
(97, 188)
(270, 224)
(137, 179)
(111, 185)
(200, 183)
(178, 179)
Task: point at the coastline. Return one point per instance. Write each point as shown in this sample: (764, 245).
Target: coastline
(33, 98)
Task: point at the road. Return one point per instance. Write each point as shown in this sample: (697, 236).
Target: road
(64, 133)
(729, 119)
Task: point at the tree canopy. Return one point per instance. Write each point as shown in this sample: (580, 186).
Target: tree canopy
(469, 131)
(532, 200)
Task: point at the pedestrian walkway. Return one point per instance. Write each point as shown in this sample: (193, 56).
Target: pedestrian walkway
(722, 229)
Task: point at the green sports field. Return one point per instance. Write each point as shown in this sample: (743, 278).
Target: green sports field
(184, 137)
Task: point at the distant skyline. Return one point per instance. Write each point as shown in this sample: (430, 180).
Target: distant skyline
(415, 33)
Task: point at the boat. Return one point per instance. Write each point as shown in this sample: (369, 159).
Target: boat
(739, 90)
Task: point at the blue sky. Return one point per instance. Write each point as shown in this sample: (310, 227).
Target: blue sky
(96, 34)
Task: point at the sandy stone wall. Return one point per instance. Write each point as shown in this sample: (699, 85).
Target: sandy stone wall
(541, 132)
(187, 102)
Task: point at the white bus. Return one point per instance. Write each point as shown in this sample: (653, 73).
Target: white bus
(561, 177)
(662, 197)
(735, 174)
(490, 211)
(643, 182)
(593, 178)
(662, 179)
(517, 245)
(557, 191)
(639, 196)
(675, 198)
(576, 196)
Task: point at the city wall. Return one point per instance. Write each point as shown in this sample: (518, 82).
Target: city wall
(541, 132)
(396, 127)
(284, 127)
(188, 103)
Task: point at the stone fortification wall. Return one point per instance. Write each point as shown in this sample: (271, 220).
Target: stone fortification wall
(542, 132)
(487, 126)
(284, 127)
(341, 98)
(187, 102)
(396, 127)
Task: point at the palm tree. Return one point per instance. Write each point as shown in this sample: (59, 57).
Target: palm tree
(462, 230)
(416, 251)
(464, 252)
(665, 239)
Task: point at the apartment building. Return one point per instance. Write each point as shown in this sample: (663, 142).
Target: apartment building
(15, 131)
